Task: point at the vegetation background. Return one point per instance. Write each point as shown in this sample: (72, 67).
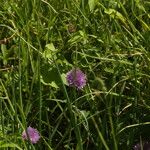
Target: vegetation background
(41, 40)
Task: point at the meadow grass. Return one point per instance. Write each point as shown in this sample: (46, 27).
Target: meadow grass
(41, 40)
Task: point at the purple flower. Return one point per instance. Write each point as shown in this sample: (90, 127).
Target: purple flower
(145, 145)
(76, 78)
(137, 147)
(33, 135)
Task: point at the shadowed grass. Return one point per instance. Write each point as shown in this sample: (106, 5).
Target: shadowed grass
(42, 40)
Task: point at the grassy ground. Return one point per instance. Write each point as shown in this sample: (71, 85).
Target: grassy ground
(41, 40)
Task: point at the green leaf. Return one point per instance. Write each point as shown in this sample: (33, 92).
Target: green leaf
(115, 14)
(50, 47)
(4, 53)
(49, 51)
(6, 145)
(50, 76)
(109, 70)
(52, 84)
(145, 26)
(92, 4)
(63, 77)
(75, 39)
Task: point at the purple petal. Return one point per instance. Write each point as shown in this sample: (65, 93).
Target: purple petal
(76, 78)
(32, 133)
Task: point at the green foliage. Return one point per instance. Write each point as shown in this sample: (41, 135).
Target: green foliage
(40, 41)
(92, 4)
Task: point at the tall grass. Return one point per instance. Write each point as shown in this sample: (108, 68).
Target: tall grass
(41, 40)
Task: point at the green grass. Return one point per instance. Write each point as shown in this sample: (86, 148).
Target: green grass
(41, 40)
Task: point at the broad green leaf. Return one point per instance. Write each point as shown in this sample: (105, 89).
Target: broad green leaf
(49, 50)
(47, 54)
(82, 33)
(115, 14)
(50, 76)
(92, 4)
(50, 47)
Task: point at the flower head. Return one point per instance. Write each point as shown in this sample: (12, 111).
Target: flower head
(145, 145)
(76, 78)
(32, 133)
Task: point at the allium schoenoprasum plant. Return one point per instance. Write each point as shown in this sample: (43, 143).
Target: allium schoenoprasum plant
(31, 134)
(74, 74)
(76, 78)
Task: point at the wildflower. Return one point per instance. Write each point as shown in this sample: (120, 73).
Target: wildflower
(32, 134)
(76, 78)
(145, 146)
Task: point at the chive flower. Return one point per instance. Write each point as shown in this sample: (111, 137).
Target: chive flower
(31, 134)
(145, 146)
(76, 78)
